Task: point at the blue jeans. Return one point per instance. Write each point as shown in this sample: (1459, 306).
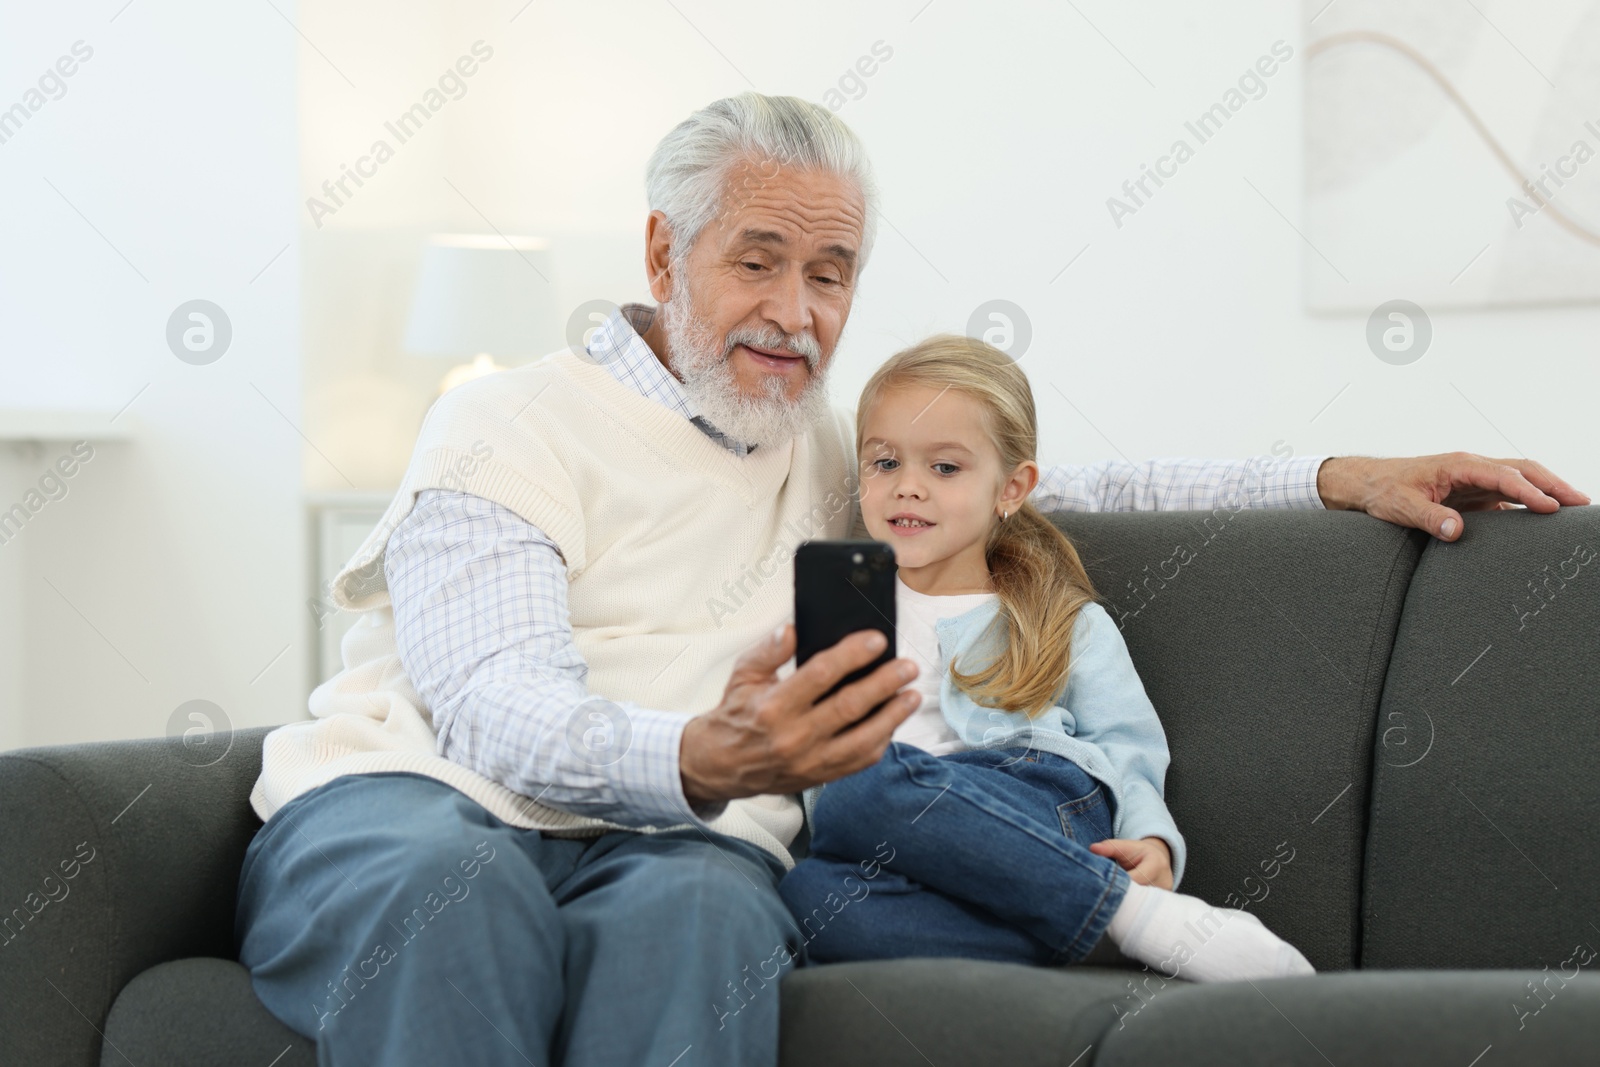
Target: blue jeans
(393, 920)
(982, 853)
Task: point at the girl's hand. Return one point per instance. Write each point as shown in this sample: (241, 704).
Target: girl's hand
(1148, 860)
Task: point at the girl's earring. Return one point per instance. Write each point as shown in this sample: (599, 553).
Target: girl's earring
(1004, 515)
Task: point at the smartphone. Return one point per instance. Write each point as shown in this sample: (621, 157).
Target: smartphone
(841, 587)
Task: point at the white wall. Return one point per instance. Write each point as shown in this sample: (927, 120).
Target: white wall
(998, 132)
(173, 568)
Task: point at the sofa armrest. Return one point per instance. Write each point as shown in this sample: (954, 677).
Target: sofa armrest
(114, 857)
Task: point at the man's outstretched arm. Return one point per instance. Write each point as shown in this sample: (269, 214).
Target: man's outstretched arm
(1180, 485)
(1426, 492)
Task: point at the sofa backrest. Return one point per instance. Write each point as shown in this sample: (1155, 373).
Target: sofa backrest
(1486, 797)
(1262, 638)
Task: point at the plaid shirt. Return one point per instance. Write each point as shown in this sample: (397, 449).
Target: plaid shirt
(482, 627)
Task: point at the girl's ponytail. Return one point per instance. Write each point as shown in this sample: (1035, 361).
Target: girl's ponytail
(1042, 585)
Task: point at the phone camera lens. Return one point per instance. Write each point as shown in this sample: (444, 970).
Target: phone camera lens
(860, 576)
(879, 562)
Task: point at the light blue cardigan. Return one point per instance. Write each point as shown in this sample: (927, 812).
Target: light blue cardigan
(1103, 721)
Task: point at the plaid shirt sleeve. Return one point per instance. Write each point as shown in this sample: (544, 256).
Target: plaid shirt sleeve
(1180, 485)
(483, 632)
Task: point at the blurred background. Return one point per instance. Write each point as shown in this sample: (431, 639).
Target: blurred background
(231, 236)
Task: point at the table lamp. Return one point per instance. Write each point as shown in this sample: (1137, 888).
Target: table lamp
(482, 295)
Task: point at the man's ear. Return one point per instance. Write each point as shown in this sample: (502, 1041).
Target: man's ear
(658, 256)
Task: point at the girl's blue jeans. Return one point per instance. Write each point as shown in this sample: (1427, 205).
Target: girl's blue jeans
(982, 854)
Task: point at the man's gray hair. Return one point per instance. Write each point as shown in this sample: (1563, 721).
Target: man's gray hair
(686, 178)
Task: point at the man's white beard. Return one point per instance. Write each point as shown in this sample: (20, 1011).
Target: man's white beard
(704, 362)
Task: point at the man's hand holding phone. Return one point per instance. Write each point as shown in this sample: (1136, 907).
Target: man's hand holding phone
(771, 736)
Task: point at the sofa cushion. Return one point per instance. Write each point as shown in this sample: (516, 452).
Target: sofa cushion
(1482, 845)
(912, 1012)
(1371, 1018)
(199, 1013)
(203, 1013)
(1262, 640)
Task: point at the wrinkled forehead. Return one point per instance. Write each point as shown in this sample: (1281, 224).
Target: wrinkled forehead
(791, 209)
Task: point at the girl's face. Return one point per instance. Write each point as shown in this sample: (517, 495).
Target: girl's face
(932, 487)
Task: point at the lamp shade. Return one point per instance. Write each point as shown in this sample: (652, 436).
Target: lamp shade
(483, 293)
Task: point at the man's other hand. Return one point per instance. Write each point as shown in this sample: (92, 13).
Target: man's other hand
(1430, 492)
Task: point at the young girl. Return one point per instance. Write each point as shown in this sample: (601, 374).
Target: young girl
(1018, 814)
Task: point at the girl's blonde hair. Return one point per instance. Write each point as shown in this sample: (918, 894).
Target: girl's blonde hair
(1040, 581)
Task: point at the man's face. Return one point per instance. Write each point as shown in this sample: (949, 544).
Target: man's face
(783, 253)
(757, 305)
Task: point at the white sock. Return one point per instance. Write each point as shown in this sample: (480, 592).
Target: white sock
(1173, 932)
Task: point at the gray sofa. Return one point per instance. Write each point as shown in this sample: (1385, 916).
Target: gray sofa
(1382, 745)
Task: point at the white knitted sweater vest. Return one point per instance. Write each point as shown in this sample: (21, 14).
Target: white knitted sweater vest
(678, 554)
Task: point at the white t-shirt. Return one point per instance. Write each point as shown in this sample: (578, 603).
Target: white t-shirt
(915, 614)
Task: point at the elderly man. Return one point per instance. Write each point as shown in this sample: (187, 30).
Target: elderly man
(540, 816)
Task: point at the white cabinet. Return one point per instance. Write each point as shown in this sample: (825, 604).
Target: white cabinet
(340, 522)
